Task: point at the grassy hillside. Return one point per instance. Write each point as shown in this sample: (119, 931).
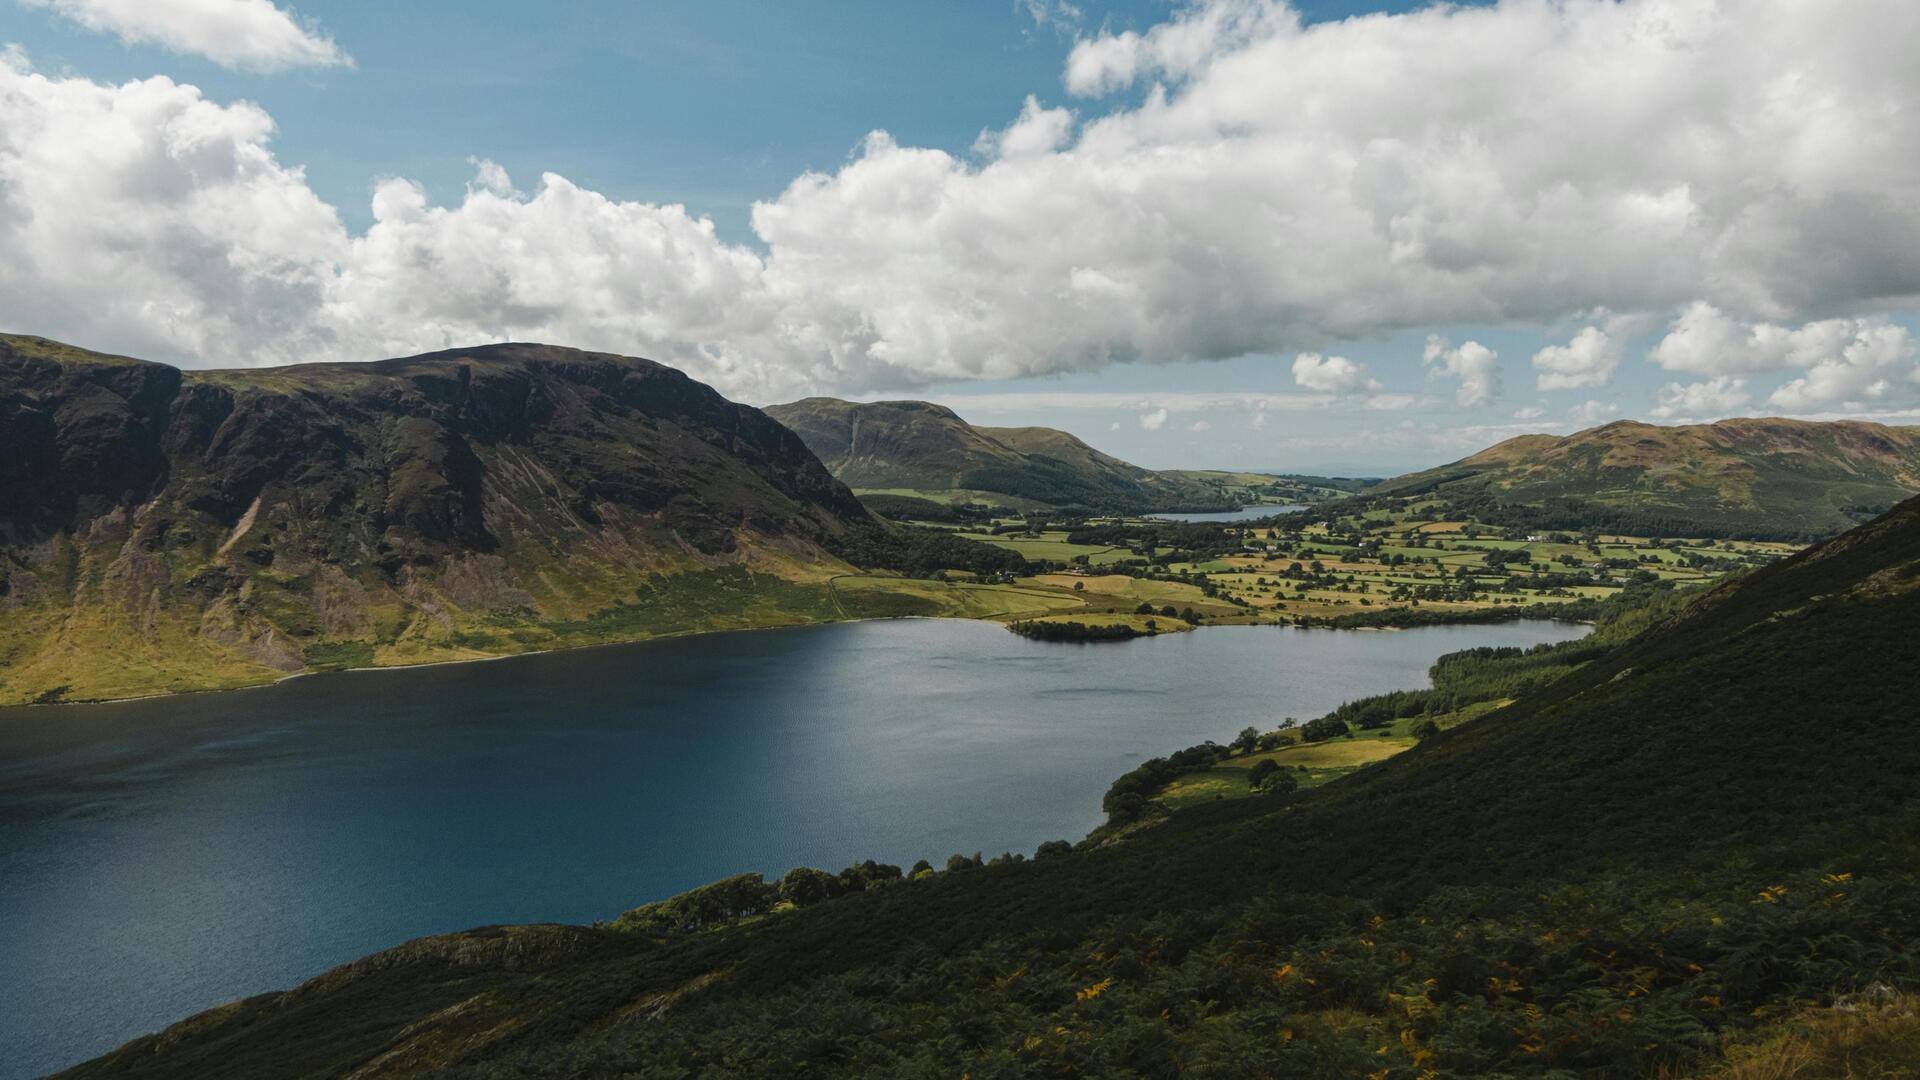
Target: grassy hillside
(1658, 860)
(914, 448)
(164, 530)
(1767, 479)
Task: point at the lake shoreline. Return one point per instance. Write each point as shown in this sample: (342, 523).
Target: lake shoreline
(682, 635)
(678, 635)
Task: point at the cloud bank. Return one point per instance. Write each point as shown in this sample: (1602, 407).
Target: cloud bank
(1231, 182)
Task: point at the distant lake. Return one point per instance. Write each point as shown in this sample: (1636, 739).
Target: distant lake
(1245, 513)
(161, 857)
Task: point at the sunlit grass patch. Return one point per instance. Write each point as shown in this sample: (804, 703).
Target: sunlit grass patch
(1313, 763)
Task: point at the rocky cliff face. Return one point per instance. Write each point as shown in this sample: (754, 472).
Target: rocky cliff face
(168, 529)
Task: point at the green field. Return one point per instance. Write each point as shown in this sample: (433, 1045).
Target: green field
(1381, 561)
(1049, 546)
(874, 596)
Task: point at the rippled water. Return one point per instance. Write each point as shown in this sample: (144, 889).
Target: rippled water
(160, 857)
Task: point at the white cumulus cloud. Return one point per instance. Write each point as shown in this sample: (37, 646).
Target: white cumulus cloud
(142, 218)
(251, 35)
(1706, 341)
(1877, 364)
(1474, 366)
(1037, 131)
(1588, 360)
(1844, 361)
(1155, 420)
(1332, 375)
(1176, 49)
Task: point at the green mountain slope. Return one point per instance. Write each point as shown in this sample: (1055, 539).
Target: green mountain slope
(167, 530)
(1764, 479)
(915, 445)
(1700, 829)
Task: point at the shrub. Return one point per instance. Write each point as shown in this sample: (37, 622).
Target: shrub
(1326, 727)
(704, 907)
(804, 885)
(1262, 770)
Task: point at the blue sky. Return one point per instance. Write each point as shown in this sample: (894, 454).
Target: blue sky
(722, 104)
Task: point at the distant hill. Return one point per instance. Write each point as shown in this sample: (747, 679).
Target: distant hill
(908, 447)
(166, 530)
(1769, 479)
(1701, 829)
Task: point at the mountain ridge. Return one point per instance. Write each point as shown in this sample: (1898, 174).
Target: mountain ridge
(920, 445)
(1761, 478)
(164, 529)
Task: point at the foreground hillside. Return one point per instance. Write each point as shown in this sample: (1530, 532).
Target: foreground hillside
(914, 447)
(168, 530)
(1763, 479)
(1695, 834)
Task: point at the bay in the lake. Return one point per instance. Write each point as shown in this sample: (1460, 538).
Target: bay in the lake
(159, 857)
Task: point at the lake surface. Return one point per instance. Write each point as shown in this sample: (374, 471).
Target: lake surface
(161, 857)
(1245, 513)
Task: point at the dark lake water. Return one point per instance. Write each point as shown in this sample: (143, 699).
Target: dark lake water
(1245, 513)
(160, 857)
